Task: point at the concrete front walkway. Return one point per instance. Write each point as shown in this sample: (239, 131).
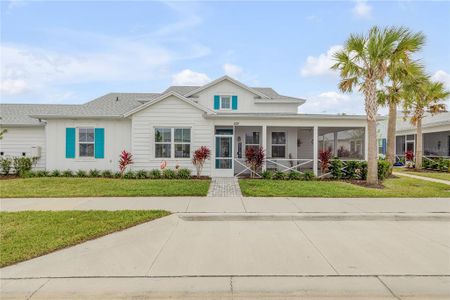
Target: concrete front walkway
(422, 177)
(235, 204)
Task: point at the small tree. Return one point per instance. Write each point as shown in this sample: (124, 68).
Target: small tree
(324, 156)
(200, 156)
(126, 158)
(254, 158)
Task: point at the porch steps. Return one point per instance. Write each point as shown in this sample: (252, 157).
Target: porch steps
(224, 187)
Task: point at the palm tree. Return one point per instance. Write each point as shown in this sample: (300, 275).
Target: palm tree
(363, 63)
(424, 96)
(391, 95)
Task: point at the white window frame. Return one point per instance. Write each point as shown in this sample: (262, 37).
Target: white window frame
(172, 142)
(247, 144)
(221, 102)
(182, 143)
(79, 142)
(272, 144)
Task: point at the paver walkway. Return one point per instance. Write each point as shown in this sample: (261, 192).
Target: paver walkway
(224, 187)
(422, 178)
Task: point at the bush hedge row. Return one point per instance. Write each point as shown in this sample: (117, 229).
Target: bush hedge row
(182, 173)
(353, 169)
(278, 175)
(436, 164)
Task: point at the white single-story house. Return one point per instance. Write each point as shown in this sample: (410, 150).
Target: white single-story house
(224, 115)
(436, 135)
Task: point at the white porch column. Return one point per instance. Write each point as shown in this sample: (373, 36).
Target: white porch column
(315, 149)
(264, 144)
(366, 143)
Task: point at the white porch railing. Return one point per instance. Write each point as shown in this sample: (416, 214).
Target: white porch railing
(342, 169)
(281, 164)
(288, 164)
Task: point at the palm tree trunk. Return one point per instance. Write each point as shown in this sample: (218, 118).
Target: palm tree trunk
(392, 122)
(419, 146)
(371, 108)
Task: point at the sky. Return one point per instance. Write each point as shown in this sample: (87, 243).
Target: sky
(72, 52)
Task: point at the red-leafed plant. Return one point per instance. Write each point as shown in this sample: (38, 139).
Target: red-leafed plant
(254, 158)
(126, 158)
(409, 155)
(324, 157)
(200, 156)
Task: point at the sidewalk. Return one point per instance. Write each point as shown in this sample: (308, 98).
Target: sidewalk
(422, 178)
(234, 204)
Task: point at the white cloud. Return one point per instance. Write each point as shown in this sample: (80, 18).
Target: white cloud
(443, 77)
(13, 86)
(333, 102)
(189, 77)
(232, 70)
(362, 9)
(320, 65)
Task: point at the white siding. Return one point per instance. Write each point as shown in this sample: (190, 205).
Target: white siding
(117, 138)
(20, 139)
(170, 112)
(246, 99)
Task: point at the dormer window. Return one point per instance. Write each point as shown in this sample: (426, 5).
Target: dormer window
(225, 102)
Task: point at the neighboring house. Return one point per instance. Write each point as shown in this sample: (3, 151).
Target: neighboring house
(224, 115)
(436, 135)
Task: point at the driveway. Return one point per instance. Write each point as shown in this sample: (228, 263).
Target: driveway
(245, 255)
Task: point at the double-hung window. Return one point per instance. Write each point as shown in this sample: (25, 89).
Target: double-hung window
(172, 142)
(182, 142)
(86, 142)
(225, 102)
(251, 140)
(163, 142)
(279, 144)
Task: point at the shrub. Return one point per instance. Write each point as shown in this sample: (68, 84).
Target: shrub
(308, 175)
(184, 173)
(409, 155)
(125, 159)
(67, 173)
(351, 171)
(117, 175)
(363, 170)
(324, 156)
(23, 164)
(55, 173)
(278, 175)
(200, 156)
(154, 174)
(129, 175)
(107, 174)
(267, 174)
(141, 174)
(383, 169)
(29, 174)
(5, 164)
(426, 163)
(294, 175)
(169, 174)
(94, 173)
(42, 173)
(254, 158)
(335, 168)
(81, 173)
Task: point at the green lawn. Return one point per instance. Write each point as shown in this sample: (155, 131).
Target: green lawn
(394, 187)
(425, 173)
(100, 187)
(24, 235)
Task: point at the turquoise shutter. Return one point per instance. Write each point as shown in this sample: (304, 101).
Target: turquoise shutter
(216, 102)
(234, 103)
(70, 142)
(383, 146)
(99, 148)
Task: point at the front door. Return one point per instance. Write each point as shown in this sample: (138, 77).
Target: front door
(223, 160)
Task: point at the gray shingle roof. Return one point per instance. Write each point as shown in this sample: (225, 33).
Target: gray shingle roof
(109, 105)
(112, 104)
(428, 121)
